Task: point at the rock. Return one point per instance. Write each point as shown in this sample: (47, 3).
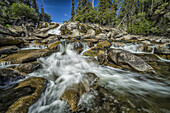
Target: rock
(94, 51)
(90, 41)
(104, 44)
(9, 40)
(71, 26)
(54, 45)
(25, 56)
(145, 48)
(91, 32)
(128, 60)
(73, 93)
(101, 36)
(162, 49)
(18, 30)
(4, 30)
(8, 49)
(75, 32)
(146, 42)
(42, 35)
(9, 74)
(45, 30)
(102, 58)
(148, 57)
(28, 67)
(21, 96)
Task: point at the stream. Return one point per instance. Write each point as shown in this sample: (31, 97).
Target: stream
(149, 93)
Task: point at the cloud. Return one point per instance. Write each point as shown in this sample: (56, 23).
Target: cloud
(65, 15)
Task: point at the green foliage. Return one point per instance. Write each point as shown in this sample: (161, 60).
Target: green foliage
(47, 17)
(20, 9)
(7, 25)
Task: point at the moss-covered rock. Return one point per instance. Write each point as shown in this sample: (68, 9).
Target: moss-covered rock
(94, 51)
(8, 49)
(25, 56)
(9, 40)
(73, 93)
(104, 44)
(54, 45)
(21, 96)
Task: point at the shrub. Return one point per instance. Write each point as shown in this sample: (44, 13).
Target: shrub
(20, 9)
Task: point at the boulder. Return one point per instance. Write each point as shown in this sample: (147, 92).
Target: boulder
(91, 32)
(145, 48)
(104, 44)
(76, 32)
(128, 60)
(18, 30)
(54, 45)
(21, 96)
(118, 44)
(28, 67)
(93, 52)
(25, 56)
(42, 35)
(101, 36)
(9, 74)
(5, 30)
(148, 57)
(9, 40)
(8, 49)
(72, 26)
(162, 49)
(72, 94)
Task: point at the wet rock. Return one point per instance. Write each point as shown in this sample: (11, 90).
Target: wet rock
(128, 60)
(102, 58)
(90, 41)
(8, 49)
(28, 67)
(162, 49)
(9, 40)
(161, 68)
(73, 93)
(22, 95)
(94, 51)
(145, 48)
(54, 45)
(104, 44)
(48, 27)
(9, 74)
(118, 44)
(25, 56)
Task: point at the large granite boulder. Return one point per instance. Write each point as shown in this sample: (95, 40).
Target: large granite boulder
(22, 95)
(25, 56)
(128, 60)
(94, 51)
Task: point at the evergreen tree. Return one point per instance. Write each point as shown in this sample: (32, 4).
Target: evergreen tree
(35, 6)
(72, 10)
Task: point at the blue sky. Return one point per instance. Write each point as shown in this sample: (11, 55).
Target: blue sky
(59, 10)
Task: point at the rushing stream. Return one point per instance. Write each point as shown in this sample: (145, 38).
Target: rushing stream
(143, 91)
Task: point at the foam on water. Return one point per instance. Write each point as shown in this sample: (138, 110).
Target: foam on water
(56, 30)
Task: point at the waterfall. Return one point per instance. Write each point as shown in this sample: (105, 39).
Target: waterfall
(56, 30)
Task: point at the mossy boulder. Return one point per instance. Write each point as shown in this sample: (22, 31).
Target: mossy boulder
(9, 40)
(22, 95)
(73, 93)
(54, 45)
(8, 49)
(104, 44)
(93, 52)
(147, 57)
(25, 56)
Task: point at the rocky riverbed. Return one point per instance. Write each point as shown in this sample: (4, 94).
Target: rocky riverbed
(76, 67)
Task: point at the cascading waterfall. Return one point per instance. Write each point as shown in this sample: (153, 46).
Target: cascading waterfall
(62, 70)
(56, 30)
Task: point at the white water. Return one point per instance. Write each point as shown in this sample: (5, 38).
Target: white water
(56, 30)
(69, 69)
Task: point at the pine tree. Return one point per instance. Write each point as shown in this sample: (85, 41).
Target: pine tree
(35, 6)
(72, 10)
